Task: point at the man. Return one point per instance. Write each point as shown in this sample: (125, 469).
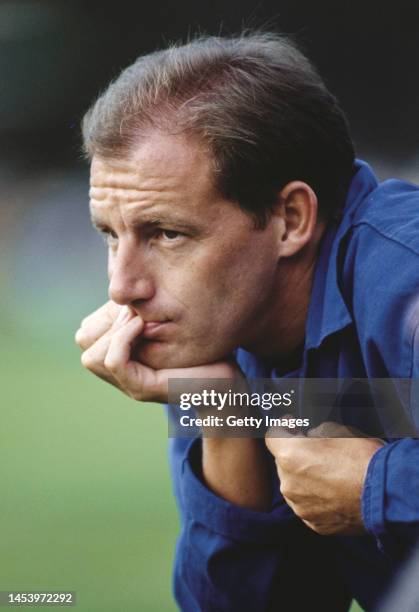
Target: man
(244, 240)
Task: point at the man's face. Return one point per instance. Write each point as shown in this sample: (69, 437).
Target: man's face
(189, 262)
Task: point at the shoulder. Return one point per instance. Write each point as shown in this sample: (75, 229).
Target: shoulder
(392, 211)
(379, 273)
(381, 243)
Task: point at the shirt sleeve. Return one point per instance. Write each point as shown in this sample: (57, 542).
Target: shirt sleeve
(390, 502)
(385, 307)
(232, 559)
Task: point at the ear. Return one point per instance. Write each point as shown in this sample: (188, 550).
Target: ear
(297, 208)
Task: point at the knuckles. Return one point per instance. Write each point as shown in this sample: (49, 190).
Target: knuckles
(289, 487)
(286, 490)
(87, 360)
(306, 516)
(327, 430)
(110, 364)
(321, 529)
(291, 493)
(80, 339)
(321, 431)
(303, 512)
(286, 454)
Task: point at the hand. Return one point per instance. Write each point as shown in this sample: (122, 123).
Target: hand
(107, 337)
(322, 477)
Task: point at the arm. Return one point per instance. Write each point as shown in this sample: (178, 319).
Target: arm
(237, 551)
(357, 485)
(385, 303)
(230, 558)
(236, 469)
(390, 504)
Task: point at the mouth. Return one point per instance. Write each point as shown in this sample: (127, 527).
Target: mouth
(153, 328)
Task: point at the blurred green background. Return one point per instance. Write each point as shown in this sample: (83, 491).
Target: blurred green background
(86, 501)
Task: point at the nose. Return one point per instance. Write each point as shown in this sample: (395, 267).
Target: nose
(129, 280)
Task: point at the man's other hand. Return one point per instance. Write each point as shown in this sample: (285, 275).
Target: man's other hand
(321, 477)
(107, 338)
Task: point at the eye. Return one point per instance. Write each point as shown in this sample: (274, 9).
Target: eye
(169, 235)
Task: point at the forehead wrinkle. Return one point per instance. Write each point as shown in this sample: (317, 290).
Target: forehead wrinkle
(110, 188)
(130, 196)
(138, 213)
(135, 176)
(160, 172)
(135, 183)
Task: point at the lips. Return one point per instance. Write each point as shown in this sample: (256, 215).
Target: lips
(152, 329)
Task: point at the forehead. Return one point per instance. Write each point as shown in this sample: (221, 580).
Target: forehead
(161, 165)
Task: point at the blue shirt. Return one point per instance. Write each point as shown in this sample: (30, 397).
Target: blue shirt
(363, 321)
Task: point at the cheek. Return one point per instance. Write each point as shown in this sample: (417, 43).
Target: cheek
(214, 281)
(242, 271)
(221, 288)
(196, 292)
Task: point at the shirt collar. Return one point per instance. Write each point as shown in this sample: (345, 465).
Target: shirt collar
(328, 312)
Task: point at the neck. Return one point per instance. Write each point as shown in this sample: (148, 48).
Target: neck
(280, 339)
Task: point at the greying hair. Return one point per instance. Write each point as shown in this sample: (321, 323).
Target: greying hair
(254, 100)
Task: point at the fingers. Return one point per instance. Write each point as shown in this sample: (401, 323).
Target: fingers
(277, 445)
(135, 379)
(93, 357)
(97, 324)
(274, 438)
(279, 432)
(107, 337)
(330, 429)
(282, 432)
(121, 344)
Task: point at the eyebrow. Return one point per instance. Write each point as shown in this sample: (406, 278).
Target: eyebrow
(148, 221)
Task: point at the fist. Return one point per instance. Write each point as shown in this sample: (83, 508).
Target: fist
(97, 335)
(108, 337)
(322, 475)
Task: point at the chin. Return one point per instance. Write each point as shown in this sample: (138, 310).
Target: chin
(163, 356)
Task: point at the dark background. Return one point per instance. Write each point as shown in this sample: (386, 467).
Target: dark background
(55, 56)
(86, 499)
